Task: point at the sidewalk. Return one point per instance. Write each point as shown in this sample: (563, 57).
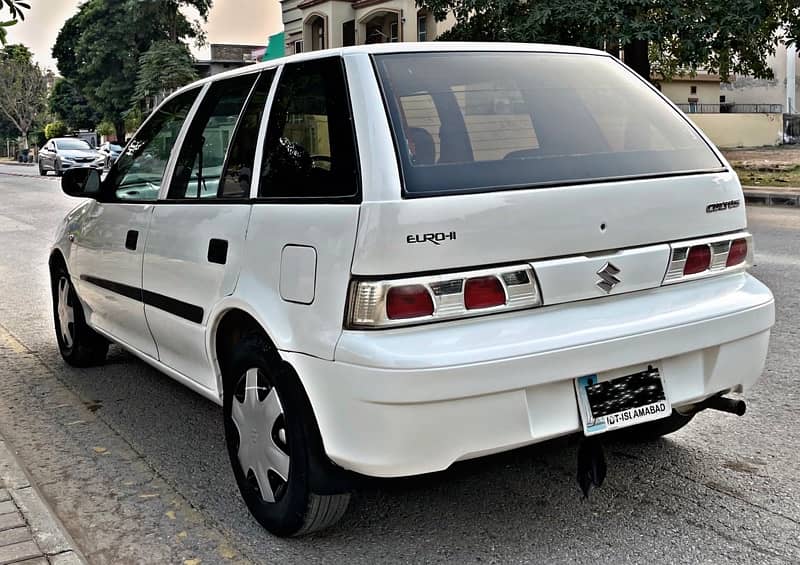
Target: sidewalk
(30, 533)
(772, 195)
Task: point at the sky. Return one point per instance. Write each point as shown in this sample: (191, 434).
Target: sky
(225, 25)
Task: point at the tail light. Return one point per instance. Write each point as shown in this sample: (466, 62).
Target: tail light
(737, 253)
(408, 301)
(697, 260)
(483, 292)
(690, 260)
(392, 303)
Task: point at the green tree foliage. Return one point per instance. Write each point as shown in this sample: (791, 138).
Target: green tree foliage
(68, 104)
(734, 36)
(105, 128)
(55, 129)
(23, 89)
(164, 68)
(99, 47)
(15, 9)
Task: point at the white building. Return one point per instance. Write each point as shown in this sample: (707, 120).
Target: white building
(748, 90)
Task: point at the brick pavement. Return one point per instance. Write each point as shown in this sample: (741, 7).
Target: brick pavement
(30, 534)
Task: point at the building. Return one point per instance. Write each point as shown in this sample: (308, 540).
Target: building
(311, 25)
(782, 90)
(697, 93)
(225, 57)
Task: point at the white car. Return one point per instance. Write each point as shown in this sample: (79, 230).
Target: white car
(381, 260)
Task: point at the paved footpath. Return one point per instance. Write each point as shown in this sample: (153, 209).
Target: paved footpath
(30, 533)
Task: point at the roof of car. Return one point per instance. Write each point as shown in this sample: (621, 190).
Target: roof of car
(404, 47)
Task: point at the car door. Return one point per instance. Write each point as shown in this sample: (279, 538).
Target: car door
(197, 233)
(106, 262)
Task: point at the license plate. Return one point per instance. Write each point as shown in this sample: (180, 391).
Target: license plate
(610, 401)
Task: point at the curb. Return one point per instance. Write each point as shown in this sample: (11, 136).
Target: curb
(784, 198)
(38, 521)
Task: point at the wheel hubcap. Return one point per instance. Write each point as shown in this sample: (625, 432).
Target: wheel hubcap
(263, 450)
(66, 313)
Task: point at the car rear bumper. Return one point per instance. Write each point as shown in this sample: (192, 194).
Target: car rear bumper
(415, 400)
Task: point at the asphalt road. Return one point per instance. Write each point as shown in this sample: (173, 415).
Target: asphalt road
(135, 464)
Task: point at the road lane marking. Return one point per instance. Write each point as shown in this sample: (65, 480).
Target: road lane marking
(11, 342)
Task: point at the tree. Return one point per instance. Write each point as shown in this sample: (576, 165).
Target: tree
(670, 35)
(55, 129)
(99, 47)
(68, 104)
(23, 89)
(15, 7)
(105, 129)
(163, 69)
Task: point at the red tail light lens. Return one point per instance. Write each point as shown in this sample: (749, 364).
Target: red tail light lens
(698, 260)
(738, 252)
(408, 301)
(483, 292)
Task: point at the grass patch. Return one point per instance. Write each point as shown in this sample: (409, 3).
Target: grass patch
(784, 177)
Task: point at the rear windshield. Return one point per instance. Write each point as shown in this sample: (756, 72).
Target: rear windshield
(475, 122)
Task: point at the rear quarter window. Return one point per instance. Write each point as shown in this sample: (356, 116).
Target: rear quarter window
(475, 122)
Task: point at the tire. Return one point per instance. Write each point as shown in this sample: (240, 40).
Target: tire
(651, 431)
(42, 172)
(284, 505)
(79, 345)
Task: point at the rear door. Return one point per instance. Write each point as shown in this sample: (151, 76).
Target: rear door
(303, 225)
(194, 248)
(107, 260)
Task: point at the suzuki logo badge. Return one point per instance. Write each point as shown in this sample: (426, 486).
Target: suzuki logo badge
(608, 277)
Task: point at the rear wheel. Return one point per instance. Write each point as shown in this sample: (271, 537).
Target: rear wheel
(268, 445)
(78, 344)
(651, 431)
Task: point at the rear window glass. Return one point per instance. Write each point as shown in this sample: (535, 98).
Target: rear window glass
(475, 122)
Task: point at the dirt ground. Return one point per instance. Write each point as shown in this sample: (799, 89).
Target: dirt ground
(767, 166)
(784, 156)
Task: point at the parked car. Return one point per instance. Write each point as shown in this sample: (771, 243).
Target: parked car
(384, 259)
(62, 153)
(110, 151)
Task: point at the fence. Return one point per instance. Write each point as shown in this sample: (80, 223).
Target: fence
(8, 149)
(731, 108)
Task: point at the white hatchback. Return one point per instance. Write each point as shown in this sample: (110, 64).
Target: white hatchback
(381, 260)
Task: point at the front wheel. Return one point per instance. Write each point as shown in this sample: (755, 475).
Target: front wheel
(79, 345)
(42, 172)
(268, 445)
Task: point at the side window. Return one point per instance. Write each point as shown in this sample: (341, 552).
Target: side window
(138, 172)
(235, 182)
(310, 148)
(199, 166)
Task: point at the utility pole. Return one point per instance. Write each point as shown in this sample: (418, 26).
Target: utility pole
(791, 81)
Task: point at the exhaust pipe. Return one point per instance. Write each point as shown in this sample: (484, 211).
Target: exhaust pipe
(729, 405)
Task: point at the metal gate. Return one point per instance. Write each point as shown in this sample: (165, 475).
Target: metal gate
(791, 128)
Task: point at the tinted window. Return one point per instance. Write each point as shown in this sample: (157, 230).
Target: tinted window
(238, 173)
(206, 143)
(310, 149)
(138, 171)
(467, 122)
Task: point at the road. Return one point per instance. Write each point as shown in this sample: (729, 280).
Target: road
(135, 465)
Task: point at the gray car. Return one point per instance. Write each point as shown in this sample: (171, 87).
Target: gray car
(62, 153)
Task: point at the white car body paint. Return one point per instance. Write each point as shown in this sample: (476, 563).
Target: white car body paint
(412, 400)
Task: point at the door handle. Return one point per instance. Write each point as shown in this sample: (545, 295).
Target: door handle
(131, 240)
(218, 251)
